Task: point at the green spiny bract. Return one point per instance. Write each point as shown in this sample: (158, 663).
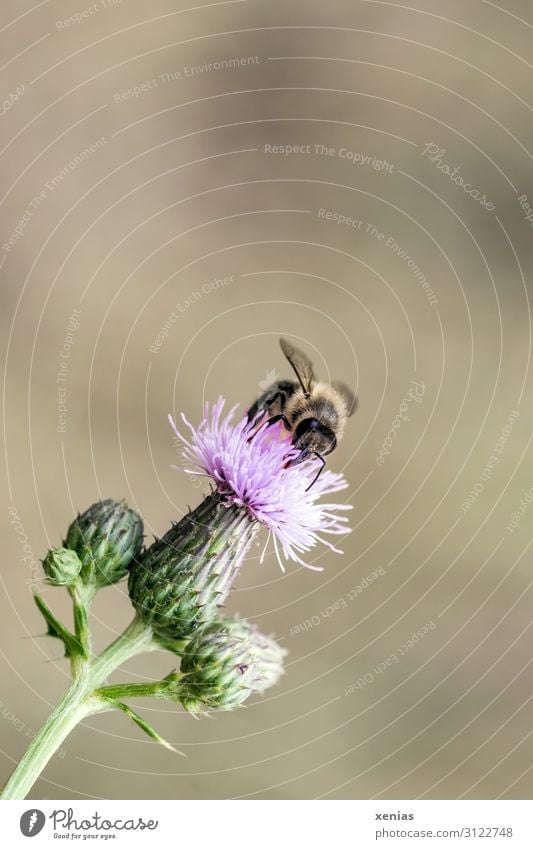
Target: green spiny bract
(180, 581)
(107, 538)
(225, 662)
(219, 670)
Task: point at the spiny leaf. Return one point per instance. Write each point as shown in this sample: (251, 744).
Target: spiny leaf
(54, 628)
(145, 726)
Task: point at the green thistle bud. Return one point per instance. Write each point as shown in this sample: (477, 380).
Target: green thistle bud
(107, 538)
(178, 583)
(218, 669)
(62, 567)
(225, 662)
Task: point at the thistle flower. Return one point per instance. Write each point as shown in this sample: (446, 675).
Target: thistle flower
(61, 567)
(253, 474)
(106, 538)
(226, 662)
(179, 583)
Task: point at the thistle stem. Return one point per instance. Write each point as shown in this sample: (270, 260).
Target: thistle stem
(73, 707)
(81, 601)
(79, 701)
(135, 639)
(153, 689)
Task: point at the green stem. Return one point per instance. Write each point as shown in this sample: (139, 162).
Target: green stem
(82, 597)
(154, 690)
(135, 639)
(73, 707)
(167, 688)
(79, 701)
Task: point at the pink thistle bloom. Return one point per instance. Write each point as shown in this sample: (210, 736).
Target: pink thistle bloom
(255, 474)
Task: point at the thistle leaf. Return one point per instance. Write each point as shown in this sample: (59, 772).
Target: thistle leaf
(144, 725)
(55, 628)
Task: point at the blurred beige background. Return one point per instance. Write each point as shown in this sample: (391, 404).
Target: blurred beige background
(131, 183)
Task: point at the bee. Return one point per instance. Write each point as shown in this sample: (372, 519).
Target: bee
(314, 412)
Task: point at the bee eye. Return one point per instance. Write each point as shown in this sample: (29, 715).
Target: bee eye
(305, 426)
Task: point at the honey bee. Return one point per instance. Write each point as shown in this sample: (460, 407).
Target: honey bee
(314, 412)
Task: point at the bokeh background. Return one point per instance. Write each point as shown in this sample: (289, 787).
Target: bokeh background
(155, 244)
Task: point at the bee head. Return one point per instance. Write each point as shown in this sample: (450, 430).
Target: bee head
(313, 437)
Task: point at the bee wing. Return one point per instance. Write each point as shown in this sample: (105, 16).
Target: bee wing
(302, 365)
(348, 396)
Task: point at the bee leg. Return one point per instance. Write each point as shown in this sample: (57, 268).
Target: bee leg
(282, 396)
(321, 469)
(279, 418)
(267, 404)
(273, 420)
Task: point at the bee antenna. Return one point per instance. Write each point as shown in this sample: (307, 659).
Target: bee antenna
(316, 477)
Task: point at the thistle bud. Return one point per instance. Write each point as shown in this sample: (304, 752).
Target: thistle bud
(179, 582)
(61, 567)
(107, 538)
(219, 670)
(225, 662)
